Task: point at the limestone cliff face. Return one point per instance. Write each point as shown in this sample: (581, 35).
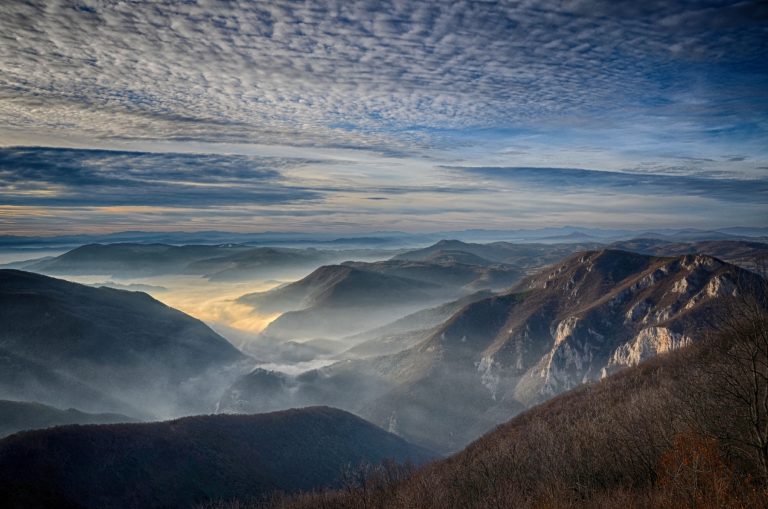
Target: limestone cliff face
(575, 322)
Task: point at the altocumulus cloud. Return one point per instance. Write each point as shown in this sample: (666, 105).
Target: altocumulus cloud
(668, 96)
(382, 75)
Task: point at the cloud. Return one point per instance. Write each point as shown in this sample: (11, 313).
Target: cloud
(55, 177)
(44, 190)
(381, 75)
(343, 114)
(717, 187)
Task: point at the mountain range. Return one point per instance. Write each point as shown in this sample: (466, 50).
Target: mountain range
(223, 262)
(576, 321)
(747, 254)
(341, 300)
(666, 433)
(436, 345)
(390, 238)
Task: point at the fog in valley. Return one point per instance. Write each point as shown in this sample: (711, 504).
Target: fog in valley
(294, 254)
(382, 333)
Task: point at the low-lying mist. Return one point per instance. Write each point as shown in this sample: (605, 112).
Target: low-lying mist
(215, 303)
(212, 302)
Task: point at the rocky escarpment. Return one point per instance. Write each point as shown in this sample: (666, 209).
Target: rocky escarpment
(572, 323)
(575, 322)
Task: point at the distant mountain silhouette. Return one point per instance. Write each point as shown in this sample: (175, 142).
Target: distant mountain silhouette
(224, 262)
(519, 255)
(24, 415)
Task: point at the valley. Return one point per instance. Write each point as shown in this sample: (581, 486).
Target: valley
(354, 254)
(435, 346)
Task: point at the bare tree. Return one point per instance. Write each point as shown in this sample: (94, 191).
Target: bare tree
(738, 373)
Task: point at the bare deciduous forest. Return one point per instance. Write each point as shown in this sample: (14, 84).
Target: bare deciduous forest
(688, 429)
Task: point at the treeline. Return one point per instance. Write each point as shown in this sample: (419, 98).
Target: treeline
(687, 429)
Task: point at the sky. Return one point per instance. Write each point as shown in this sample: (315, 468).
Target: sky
(356, 116)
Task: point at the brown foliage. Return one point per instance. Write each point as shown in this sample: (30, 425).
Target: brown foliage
(693, 474)
(683, 430)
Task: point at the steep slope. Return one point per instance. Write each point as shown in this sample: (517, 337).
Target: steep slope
(338, 300)
(122, 344)
(408, 330)
(24, 415)
(593, 314)
(182, 463)
(575, 322)
(26, 380)
(651, 436)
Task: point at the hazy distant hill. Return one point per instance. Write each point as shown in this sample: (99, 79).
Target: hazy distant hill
(746, 254)
(129, 260)
(448, 272)
(276, 262)
(339, 286)
(101, 349)
(340, 300)
(25, 415)
(181, 463)
(519, 255)
(258, 262)
(224, 262)
(573, 322)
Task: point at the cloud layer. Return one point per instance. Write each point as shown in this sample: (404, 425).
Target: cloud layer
(389, 114)
(54, 177)
(375, 74)
(44, 190)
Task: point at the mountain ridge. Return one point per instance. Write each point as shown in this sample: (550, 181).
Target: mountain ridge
(186, 462)
(575, 321)
(126, 345)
